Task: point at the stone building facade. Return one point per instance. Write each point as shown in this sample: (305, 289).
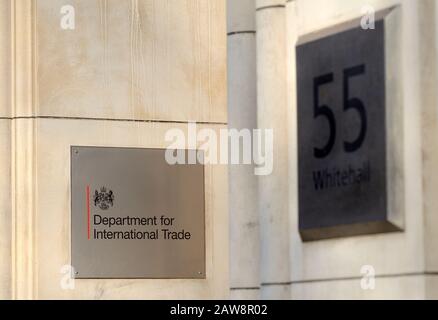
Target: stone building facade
(128, 71)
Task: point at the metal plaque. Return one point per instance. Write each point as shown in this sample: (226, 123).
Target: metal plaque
(135, 216)
(342, 134)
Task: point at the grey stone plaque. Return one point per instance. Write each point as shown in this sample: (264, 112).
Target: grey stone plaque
(342, 135)
(135, 216)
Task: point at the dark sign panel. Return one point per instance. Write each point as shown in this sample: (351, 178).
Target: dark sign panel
(342, 142)
(135, 216)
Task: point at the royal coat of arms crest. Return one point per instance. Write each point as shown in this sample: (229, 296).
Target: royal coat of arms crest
(103, 199)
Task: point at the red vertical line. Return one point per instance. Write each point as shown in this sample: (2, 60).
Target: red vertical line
(88, 211)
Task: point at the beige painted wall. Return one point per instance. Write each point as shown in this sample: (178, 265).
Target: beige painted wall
(127, 73)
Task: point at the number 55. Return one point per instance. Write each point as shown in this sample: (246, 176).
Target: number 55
(349, 103)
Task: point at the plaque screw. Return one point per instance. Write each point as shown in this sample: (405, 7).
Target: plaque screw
(76, 151)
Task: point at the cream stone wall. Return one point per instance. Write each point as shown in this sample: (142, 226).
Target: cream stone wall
(133, 69)
(272, 113)
(5, 58)
(331, 268)
(53, 214)
(5, 150)
(405, 262)
(136, 59)
(243, 184)
(428, 52)
(128, 72)
(5, 209)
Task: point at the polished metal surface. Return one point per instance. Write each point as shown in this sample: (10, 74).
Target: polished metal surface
(135, 216)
